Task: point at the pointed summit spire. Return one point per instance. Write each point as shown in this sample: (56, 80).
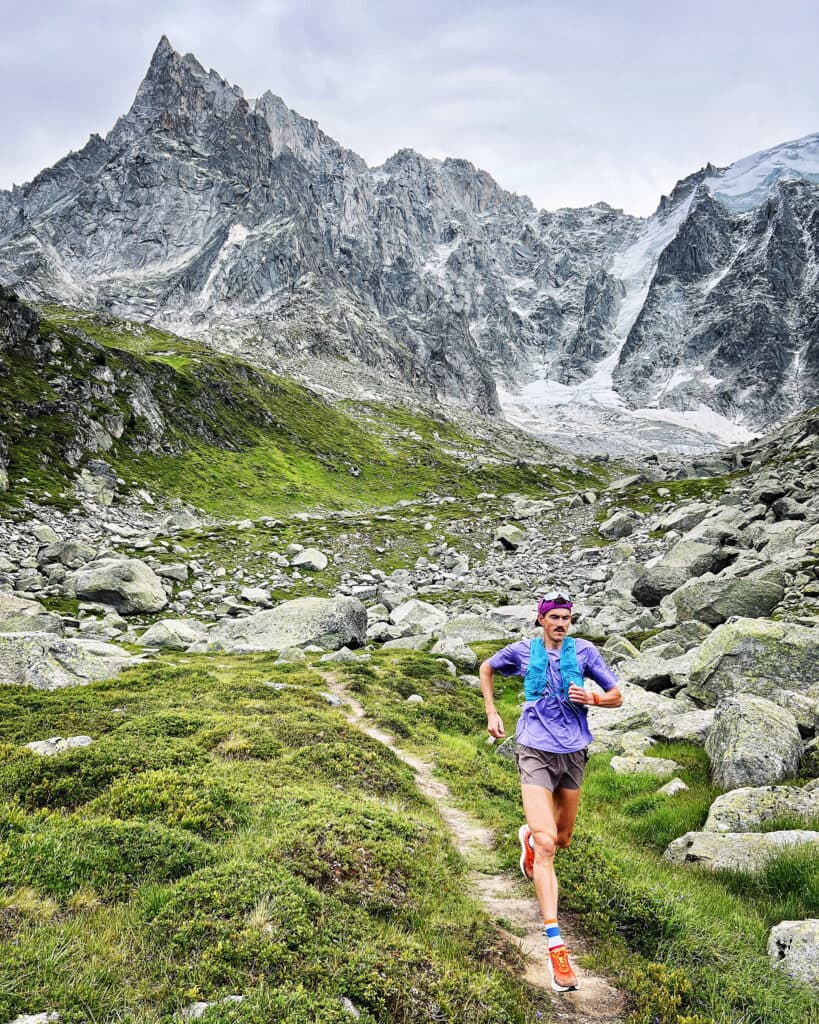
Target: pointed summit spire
(163, 52)
(163, 56)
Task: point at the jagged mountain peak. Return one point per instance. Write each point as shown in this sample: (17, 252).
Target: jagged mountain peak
(407, 160)
(163, 49)
(178, 88)
(242, 222)
(167, 61)
(455, 181)
(301, 136)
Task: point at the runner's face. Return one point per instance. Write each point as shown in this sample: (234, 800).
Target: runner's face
(556, 624)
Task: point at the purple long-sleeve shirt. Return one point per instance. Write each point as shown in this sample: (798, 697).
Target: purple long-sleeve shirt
(550, 722)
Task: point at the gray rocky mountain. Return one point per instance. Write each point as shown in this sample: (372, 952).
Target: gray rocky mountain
(241, 222)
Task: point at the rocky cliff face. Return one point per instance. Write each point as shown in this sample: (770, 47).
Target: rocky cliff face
(241, 221)
(731, 311)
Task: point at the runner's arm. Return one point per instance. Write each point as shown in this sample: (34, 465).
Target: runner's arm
(494, 722)
(612, 698)
(597, 669)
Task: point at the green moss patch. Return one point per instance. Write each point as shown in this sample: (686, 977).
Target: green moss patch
(234, 440)
(77, 776)
(222, 836)
(57, 856)
(182, 799)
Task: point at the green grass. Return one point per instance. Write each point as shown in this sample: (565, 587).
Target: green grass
(689, 946)
(58, 855)
(236, 441)
(221, 836)
(632, 801)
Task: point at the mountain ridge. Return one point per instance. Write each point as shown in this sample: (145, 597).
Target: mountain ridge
(240, 221)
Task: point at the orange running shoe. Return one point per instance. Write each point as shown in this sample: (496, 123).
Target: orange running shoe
(563, 977)
(527, 852)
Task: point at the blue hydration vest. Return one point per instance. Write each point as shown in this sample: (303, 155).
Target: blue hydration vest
(534, 683)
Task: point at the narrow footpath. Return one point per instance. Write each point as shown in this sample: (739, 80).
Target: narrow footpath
(596, 1001)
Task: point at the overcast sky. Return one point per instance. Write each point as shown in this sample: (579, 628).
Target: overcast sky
(567, 101)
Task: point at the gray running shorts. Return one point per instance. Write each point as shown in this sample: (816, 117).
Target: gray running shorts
(551, 771)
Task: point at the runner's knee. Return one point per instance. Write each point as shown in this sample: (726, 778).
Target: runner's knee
(545, 844)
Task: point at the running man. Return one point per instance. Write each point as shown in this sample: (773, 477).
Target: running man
(553, 738)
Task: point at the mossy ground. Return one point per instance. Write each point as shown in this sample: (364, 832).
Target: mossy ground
(238, 441)
(222, 836)
(689, 946)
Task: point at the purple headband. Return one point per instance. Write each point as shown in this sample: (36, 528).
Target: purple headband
(552, 601)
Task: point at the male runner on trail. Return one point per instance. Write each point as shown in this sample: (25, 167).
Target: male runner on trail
(553, 738)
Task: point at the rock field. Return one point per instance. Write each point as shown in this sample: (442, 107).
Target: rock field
(701, 584)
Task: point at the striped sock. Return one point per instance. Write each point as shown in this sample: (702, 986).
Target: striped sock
(552, 933)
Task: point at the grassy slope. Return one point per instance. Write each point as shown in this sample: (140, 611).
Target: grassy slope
(242, 442)
(689, 945)
(222, 836)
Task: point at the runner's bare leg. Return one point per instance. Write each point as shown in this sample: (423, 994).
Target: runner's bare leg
(551, 818)
(538, 806)
(565, 810)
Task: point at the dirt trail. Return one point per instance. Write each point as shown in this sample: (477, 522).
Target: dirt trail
(596, 1001)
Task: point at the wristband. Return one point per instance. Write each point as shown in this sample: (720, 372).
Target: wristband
(596, 698)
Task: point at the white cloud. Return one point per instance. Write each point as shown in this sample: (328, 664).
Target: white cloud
(569, 101)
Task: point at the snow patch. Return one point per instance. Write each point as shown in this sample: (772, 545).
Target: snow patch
(237, 235)
(748, 182)
(713, 281)
(703, 420)
(591, 416)
(435, 265)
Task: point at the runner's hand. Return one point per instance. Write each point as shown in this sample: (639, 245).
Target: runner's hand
(494, 725)
(577, 695)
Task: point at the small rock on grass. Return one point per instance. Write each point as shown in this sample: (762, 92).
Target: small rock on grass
(793, 947)
(635, 764)
(456, 650)
(310, 558)
(349, 1007)
(58, 745)
(672, 788)
(331, 698)
(291, 656)
(344, 654)
(196, 1010)
(408, 643)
